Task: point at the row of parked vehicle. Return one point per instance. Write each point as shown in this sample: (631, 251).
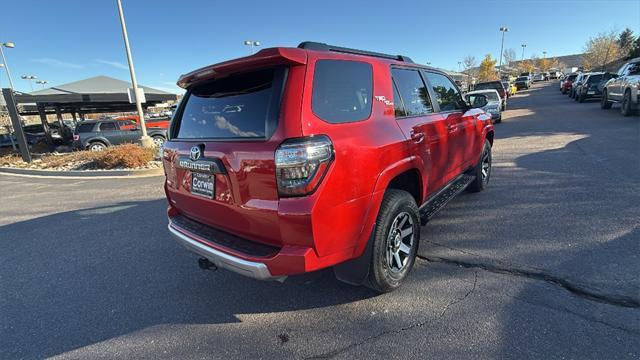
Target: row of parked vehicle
(610, 88)
(97, 135)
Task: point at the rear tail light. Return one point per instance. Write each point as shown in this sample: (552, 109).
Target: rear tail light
(301, 164)
(76, 137)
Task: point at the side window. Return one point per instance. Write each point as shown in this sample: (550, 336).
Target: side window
(108, 126)
(447, 94)
(622, 69)
(342, 90)
(412, 92)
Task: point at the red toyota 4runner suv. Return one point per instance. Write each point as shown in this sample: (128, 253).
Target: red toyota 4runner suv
(297, 159)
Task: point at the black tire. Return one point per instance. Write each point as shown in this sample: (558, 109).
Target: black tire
(564, 92)
(97, 146)
(482, 177)
(604, 101)
(625, 108)
(385, 272)
(581, 98)
(158, 140)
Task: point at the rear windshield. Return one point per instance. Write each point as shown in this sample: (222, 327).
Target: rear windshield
(594, 78)
(572, 77)
(491, 96)
(491, 85)
(236, 106)
(83, 128)
(522, 78)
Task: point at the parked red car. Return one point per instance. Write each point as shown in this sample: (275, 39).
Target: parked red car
(565, 85)
(296, 159)
(160, 123)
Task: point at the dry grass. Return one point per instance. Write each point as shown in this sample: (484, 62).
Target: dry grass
(128, 156)
(125, 156)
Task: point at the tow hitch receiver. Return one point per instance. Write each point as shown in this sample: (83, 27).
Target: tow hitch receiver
(205, 264)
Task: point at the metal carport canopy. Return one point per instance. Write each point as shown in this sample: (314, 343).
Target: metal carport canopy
(96, 94)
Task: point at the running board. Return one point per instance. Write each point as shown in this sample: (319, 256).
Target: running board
(442, 197)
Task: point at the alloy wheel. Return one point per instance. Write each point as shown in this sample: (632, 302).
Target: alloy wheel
(400, 242)
(486, 166)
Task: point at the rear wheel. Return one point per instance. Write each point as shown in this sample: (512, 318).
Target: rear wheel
(97, 146)
(482, 170)
(625, 108)
(604, 101)
(395, 241)
(581, 98)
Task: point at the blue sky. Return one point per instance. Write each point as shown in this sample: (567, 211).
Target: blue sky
(66, 40)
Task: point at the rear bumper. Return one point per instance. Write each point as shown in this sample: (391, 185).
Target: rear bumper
(224, 260)
(246, 257)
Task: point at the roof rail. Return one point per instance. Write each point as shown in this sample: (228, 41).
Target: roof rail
(311, 45)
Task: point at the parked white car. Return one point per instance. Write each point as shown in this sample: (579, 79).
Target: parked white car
(494, 103)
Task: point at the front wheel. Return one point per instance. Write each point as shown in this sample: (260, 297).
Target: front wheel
(604, 101)
(625, 108)
(158, 141)
(395, 241)
(482, 170)
(581, 98)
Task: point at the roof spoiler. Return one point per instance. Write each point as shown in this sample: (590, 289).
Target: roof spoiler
(310, 45)
(263, 58)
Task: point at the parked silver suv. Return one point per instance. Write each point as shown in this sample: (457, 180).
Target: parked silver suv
(623, 89)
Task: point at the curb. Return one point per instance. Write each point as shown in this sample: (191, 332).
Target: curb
(82, 173)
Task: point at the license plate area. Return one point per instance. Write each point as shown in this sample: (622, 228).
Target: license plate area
(203, 185)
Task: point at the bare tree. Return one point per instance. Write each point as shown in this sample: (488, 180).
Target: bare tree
(508, 56)
(469, 63)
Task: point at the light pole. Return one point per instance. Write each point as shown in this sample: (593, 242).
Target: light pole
(523, 46)
(9, 45)
(251, 44)
(145, 140)
(42, 82)
(503, 30)
(29, 77)
(544, 54)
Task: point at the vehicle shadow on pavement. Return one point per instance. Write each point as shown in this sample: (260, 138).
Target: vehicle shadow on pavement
(76, 278)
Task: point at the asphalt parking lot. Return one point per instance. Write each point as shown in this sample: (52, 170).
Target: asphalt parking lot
(544, 264)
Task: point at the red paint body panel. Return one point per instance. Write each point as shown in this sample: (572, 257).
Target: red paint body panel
(332, 224)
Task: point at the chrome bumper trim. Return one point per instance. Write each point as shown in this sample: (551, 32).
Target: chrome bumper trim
(223, 260)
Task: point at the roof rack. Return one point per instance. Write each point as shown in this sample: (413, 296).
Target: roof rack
(311, 45)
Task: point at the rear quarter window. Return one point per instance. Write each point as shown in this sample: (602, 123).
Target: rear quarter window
(342, 91)
(85, 128)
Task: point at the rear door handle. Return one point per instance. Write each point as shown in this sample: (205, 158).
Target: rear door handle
(417, 137)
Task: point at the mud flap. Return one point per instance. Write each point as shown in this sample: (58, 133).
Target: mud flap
(356, 271)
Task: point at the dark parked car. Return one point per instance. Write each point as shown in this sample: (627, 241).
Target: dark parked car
(593, 85)
(496, 85)
(96, 135)
(522, 82)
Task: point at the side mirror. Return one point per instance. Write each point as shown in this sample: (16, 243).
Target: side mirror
(477, 100)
